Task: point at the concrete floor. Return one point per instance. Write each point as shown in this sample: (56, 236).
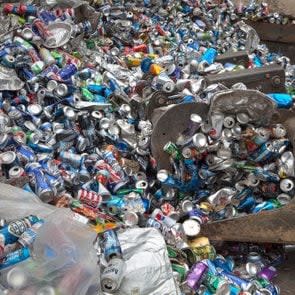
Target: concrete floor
(286, 276)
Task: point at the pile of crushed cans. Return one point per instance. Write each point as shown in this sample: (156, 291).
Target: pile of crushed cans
(76, 78)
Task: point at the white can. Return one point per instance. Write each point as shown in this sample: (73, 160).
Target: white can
(113, 275)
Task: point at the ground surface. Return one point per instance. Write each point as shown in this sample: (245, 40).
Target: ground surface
(286, 277)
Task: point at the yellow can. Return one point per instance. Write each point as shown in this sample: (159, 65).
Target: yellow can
(156, 69)
(199, 242)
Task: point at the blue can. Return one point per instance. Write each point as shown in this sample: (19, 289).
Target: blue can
(11, 232)
(247, 203)
(49, 71)
(27, 74)
(85, 74)
(43, 188)
(47, 16)
(242, 283)
(46, 127)
(111, 245)
(40, 148)
(25, 154)
(7, 142)
(27, 188)
(96, 89)
(99, 98)
(266, 175)
(68, 71)
(211, 267)
(267, 205)
(146, 64)
(273, 289)
(283, 100)
(224, 264)
(264, 153)
(107, 92)
(29, 236)
(15, 257)
(209, 56)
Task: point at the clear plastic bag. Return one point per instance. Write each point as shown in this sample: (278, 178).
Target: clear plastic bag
(63, 259)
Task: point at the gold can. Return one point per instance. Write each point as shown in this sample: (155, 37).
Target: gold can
(207, 207)
(199, 242)
(205, 252)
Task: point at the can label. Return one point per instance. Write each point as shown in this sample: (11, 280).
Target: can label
(89, 198)
(214, 282)
(180, 269)
(112, 247)
(17, 228)
(205, 252)
(112, 276)
(29, 236)
(15, 257)
(153, 223)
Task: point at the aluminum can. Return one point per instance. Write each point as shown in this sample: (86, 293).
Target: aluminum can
(173, 150)
(205, 252)
(111, 245)
(214, 282)
(25, 154)
(112, 276)
(268, 273)
(15, 257)
(29, 236)
(153, 223)
(68, 71)
(11, 232)
(42, 187)
(196, 275)
(89, 198)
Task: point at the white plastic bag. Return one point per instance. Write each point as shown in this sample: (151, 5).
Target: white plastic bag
(148, 270)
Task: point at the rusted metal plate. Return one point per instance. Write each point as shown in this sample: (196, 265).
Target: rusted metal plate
(238, 58)
(170, 125)
(276, 226)
(267, 79)
(285, 49)
(274, 32)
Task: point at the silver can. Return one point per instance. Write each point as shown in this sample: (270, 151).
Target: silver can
(113, 275)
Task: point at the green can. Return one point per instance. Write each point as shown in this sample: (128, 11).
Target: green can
(261, 283)
(181, 269)
(214, 282)
(86, 94)
(173, 150)
(172, 252)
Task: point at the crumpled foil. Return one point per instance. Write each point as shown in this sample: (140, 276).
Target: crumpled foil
(148, 270)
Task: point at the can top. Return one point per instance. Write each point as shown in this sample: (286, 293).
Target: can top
(7, 157)
(130, 218)
(191, 227)
(34, 109)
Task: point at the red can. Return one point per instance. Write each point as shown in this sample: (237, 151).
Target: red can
(8, 8)
(89, 198)
(102, 177)
(140, 48)
(113, 176)
(160, 30)
(42, 30)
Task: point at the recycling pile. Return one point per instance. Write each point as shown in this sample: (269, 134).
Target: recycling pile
(75, 82)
